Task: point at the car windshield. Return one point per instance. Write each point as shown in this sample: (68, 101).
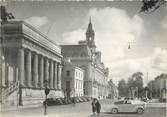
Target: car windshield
(127, 102)
(119, 102)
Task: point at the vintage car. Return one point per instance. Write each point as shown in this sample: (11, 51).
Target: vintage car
(128, 106)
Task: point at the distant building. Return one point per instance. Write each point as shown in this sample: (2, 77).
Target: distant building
(86, 57)
(29, 59)
(159, 86)
(72, 80)
(113, 92)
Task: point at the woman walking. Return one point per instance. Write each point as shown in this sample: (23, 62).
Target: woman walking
(98, 106)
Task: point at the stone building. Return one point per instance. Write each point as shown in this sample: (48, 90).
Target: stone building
(159, 86)
(85, 56)
(113, 91)
(29, 58)
(72, 80)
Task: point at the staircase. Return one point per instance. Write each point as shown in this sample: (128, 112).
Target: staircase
(9, 90)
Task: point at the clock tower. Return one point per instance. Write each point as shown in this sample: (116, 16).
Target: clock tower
(90, 34)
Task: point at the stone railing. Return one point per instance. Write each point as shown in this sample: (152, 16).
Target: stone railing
(10, 89)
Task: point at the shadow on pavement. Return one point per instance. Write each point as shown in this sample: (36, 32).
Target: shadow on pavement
(105, 113)
(119, 113)
(94, 115)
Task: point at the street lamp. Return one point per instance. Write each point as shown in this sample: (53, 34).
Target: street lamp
(47, 90)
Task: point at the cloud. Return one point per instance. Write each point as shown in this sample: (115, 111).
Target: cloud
(159, 59)
(74, 36)
(154, 64)
(164, 21)
(36, 21)
(114, 29)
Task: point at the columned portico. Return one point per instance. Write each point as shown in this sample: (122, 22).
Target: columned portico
(36, 61)
(35, 68)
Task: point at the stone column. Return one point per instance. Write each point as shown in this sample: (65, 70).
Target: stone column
(59, 75)
(21, 66)
(3, 72)
(51, 74)
(28, 69)
(41, 71)
(36, 69)
(46, 69)
(15, 74)
(55, 75)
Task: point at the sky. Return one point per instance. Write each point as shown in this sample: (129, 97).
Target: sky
(116, 24)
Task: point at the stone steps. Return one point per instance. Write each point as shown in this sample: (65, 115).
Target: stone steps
(32, 101)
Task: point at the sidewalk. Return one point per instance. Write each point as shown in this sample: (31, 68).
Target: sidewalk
(157, 104)
(53, 111)
(12, 108)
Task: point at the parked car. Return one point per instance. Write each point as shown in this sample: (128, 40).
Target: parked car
(145, 99)
(128, 106)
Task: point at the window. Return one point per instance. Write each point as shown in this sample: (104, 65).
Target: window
(68, 73)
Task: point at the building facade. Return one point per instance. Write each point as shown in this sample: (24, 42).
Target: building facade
(113, 91)
(29, 59)
(159, 86)
(86, 57)
(72, 80)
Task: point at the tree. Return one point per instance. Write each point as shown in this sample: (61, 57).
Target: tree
(122, 88)
(151, 5)
(136, 82)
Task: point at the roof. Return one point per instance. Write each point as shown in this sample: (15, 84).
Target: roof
(22, 28)
(75, 51)
(72, 65)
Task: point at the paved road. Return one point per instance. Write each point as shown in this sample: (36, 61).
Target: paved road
(82, 110)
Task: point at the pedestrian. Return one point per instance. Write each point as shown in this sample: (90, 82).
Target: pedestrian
(98, 106)
(74, 101)
(93, 106)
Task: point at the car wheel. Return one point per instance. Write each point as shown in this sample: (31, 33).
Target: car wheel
(114, 111)
(140, 111)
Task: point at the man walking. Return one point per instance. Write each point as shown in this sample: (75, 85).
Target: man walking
(98, 106)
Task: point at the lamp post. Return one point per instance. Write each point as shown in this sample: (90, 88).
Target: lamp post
(46, 93)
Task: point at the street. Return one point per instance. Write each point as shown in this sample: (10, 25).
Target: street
(83, 110)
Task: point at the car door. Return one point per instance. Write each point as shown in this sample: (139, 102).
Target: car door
(127, 106)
